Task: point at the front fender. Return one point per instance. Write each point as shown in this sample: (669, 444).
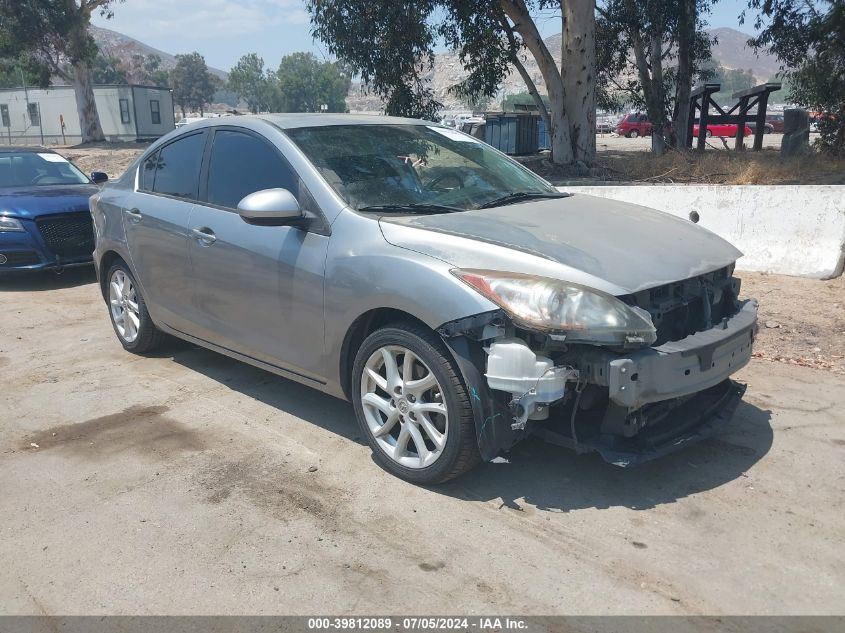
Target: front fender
(364, 272)
(492, 418)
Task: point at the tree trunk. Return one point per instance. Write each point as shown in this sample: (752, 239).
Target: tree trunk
(650, 75)
(86, 106)
(578, 50)
(683, 90)
(523, 24)
(657, 107)
(83, 88)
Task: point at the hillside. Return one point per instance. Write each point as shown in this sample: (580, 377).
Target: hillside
(730, 50)
(123, 47)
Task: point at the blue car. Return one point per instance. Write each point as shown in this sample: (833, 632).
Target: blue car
(45, 223)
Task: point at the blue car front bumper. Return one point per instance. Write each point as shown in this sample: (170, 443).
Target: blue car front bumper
(48, 243)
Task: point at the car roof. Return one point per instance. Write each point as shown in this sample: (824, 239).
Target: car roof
(24, 149)
(314, 119)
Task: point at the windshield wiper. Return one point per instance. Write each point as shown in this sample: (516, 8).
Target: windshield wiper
(519, 196)
(415, 207)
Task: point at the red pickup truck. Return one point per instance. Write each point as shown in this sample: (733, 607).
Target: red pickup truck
(721, 129)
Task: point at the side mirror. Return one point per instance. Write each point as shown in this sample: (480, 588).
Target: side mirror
(99, 177)
(270, 207)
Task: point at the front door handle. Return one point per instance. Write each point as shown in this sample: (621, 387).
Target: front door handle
(134, 215)
(205, 236)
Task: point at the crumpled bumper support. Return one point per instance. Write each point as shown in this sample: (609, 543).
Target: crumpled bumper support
(696, 419)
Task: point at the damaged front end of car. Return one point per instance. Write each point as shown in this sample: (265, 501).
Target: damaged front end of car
(630, 377)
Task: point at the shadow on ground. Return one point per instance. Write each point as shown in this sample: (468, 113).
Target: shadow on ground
(305, 403)
(536, 474)
(555, 479)
(47, 280)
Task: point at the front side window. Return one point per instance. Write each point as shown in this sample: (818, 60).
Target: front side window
(34, 169)
(124, 110)
(34, 114)
(242, 164)
(175, 169)
(383, 165)
(155, 112)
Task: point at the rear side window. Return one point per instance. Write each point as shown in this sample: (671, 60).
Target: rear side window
(175, 169)
(242, 164)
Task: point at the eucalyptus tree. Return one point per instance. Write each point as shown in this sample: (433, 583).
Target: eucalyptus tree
(52, 35)
(652, 50)
(809, 40)
(391, 45)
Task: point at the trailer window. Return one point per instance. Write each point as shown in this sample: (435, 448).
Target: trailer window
(124, 110)
(34, 114)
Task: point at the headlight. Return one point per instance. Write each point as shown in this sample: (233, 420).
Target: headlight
(581, 313)
(10, 224)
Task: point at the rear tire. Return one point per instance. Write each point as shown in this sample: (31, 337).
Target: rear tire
(420, 427)
(708, 133)
(128, 312)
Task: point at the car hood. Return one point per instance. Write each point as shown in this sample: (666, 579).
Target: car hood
(609, 245)
(33, 202)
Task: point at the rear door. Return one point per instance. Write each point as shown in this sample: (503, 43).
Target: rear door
(258, 289)
(156, 224)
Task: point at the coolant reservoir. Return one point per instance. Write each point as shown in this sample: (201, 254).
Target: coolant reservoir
(513, 367)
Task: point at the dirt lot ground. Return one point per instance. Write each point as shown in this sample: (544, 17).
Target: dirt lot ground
(183, 483)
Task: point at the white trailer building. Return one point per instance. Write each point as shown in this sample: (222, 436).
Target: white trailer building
(34, 116)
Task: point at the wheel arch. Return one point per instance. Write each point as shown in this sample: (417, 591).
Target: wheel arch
(360, 329)
(106, 262)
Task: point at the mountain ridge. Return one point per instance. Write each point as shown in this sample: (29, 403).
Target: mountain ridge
(120, 46)
(730, 51)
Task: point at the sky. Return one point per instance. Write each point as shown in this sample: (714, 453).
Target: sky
(224, 30)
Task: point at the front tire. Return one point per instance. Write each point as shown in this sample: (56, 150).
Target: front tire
(128, 312)
(412, 405)
(633, 134)
(708, 133)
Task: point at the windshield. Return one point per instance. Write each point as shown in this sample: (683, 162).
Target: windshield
(418, 167)
(26, 169)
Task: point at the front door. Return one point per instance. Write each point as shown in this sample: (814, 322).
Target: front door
(258, 290)
(155, 219)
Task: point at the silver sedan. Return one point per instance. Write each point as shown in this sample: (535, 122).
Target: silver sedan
(458, 300)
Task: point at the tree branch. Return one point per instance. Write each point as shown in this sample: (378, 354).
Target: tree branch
(520, 67)
(525, 26)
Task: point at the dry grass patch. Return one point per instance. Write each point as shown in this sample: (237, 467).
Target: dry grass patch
(714, 166)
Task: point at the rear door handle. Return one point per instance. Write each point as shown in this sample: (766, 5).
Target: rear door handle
(205, 236)
(134, 215)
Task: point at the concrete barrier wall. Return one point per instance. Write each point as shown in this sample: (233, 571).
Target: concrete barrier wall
(787, 229)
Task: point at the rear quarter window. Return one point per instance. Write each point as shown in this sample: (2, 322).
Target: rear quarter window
(174, 170)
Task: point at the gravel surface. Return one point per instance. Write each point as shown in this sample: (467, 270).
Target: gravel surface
(189, 483)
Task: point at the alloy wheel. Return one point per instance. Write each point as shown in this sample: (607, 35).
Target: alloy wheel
(404, 407)
(123, 302)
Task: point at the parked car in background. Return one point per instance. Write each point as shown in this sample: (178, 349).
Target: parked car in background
(459, 120)
(605, 125)
(44, 218)
(776, 121)
(720, 129)
(634, 125)
(458, 300)
(768, 128)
